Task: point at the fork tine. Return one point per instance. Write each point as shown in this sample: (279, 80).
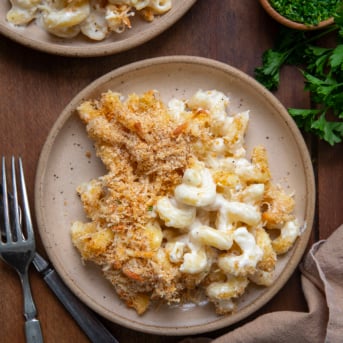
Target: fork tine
(5, 202)
(26, 206)
(15, 207)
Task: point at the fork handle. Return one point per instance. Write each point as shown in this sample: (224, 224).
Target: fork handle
(33, 331)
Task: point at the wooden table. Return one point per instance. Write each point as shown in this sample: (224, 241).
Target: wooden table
(35, 87)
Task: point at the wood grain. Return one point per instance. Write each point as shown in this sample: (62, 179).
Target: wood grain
(35, 87)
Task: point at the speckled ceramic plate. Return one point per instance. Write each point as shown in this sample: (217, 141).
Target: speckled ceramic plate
(35, 37)
(65, 163)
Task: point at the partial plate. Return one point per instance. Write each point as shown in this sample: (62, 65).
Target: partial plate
(68, 159)
(35, 37)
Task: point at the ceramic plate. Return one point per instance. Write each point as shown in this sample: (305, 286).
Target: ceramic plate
(65, 163)
(141, 31)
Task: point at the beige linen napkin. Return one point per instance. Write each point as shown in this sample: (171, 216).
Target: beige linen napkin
(322, 283)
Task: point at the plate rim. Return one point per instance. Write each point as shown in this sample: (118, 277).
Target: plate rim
(296, 253)
(92, 49)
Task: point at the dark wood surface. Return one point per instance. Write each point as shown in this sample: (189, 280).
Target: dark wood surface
(35, 87)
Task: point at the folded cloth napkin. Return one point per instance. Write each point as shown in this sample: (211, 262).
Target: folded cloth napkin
(322, 284)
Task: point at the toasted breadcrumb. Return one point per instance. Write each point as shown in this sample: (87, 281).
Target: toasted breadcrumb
(146, 154)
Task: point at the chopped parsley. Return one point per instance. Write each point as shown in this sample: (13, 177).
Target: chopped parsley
(308, 12)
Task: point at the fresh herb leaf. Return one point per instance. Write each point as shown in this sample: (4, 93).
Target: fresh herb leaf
(304, 117)
(338, 17)
(315, 121)
(269, 75)
(327, 130)
(336, 58)
(317, 59)
(273, 59)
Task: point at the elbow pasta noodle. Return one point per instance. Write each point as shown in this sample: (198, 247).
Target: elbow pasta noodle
(207, 235)
(246, 262)
(197, 188)
(173, 216)
(182, 206)
(95, 19)
(194, 262)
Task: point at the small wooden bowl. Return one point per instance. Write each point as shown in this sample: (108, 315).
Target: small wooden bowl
(292, 24)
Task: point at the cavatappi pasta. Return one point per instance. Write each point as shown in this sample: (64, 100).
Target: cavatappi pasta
(95, 19)
(182, 209)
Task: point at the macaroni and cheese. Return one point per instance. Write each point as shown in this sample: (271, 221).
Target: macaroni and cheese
(182, 209)
(95, 19)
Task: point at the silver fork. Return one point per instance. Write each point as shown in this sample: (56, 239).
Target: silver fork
(17, 246)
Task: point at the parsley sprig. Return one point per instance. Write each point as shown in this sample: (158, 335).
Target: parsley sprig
(322, 68)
